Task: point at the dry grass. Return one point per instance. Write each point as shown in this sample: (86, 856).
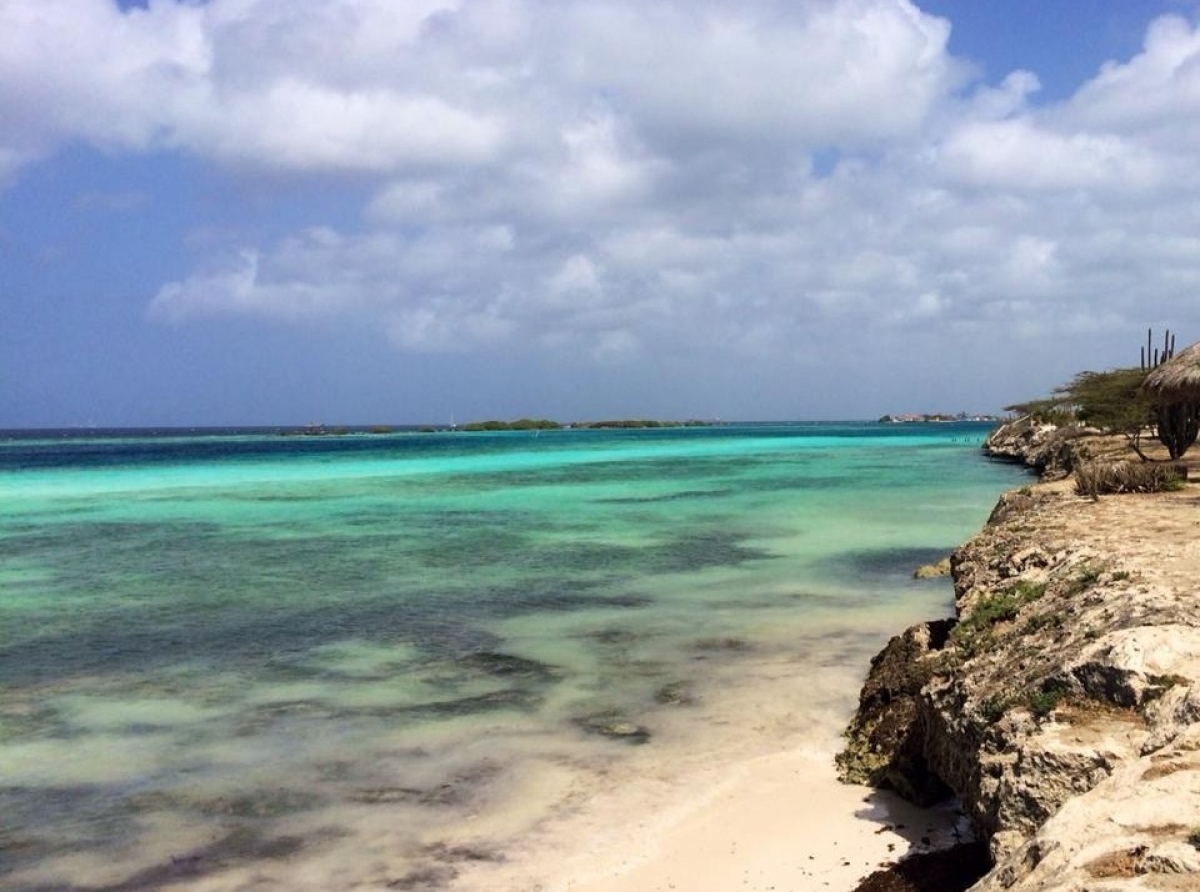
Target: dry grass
(1166, 769)
(1097, 478)
(1114, 865)
(1164, 831)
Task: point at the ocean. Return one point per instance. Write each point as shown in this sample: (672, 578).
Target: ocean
(240, 660)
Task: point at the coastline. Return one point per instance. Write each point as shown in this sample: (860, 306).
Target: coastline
(1062, 703)
(765, 811)
(777, 821)
(1067, 724)
(780, 819)
(307, 779)
(781, 822)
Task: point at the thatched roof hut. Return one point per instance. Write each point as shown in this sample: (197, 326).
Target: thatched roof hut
(1178, 379)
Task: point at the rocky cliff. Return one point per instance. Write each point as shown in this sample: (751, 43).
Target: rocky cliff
(1062, 704)
(1050, 450)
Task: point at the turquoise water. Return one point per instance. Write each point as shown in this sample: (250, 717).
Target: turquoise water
(326, 659)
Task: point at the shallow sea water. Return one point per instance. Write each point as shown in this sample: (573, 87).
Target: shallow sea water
(389, 661)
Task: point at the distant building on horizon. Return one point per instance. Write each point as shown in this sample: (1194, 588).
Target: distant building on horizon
(909, 418)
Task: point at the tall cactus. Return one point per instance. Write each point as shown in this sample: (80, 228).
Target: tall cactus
(1153, 357)
(1178, 425)
(1176, 420)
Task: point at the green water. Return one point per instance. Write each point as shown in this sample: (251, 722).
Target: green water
(228, 654)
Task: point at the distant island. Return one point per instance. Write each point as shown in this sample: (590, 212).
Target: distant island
(936, 417)
(545, 424)
(549, 424)
(521, 424)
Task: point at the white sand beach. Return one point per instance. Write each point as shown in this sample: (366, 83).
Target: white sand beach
(779, 821)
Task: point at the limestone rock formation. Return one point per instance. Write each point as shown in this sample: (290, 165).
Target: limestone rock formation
(933, 571)
(891, 750)
(1062, 705)
(1050, 450)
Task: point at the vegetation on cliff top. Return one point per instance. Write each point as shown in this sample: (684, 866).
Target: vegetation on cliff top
(532, 424)
(1161, 396)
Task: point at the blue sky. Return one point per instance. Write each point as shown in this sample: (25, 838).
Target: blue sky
(362, 211)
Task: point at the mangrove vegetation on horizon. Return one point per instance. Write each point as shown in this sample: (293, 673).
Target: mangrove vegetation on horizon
(532, 424)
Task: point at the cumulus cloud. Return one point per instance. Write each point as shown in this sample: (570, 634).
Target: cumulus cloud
(85, 71)
(1160, 87)
(1018, 154)
(303, 126)
(814, 73)
(383, 85)
(608, 178)
(308, 86)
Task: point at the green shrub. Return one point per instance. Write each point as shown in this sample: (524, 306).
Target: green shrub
(1044, 621)
(1048, 411)
(1087, 576)
(993, 708)
(997, 607)
(1025, 591)
(1045, 701)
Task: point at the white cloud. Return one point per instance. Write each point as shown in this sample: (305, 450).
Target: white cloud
(577, 277)
(595, 170)
(378, 85)
(409, 199)
(609, 178)
(230, 290)
(307, 86)
(447, 329)
(1160, 87)
(244, 288)
(814, 73)
(1018, 154)
(304, 126)
(84, 71)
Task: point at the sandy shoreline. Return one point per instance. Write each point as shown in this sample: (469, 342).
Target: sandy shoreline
(780, 822)
(776, 822)
(738, 792)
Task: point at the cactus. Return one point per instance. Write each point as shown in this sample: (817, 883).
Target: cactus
(1151, 356)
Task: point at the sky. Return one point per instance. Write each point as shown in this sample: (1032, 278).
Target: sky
(423, 211)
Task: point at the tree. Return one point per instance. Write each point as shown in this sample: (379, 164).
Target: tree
(1116, 401)
(1163, 395)
(1112, 401)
